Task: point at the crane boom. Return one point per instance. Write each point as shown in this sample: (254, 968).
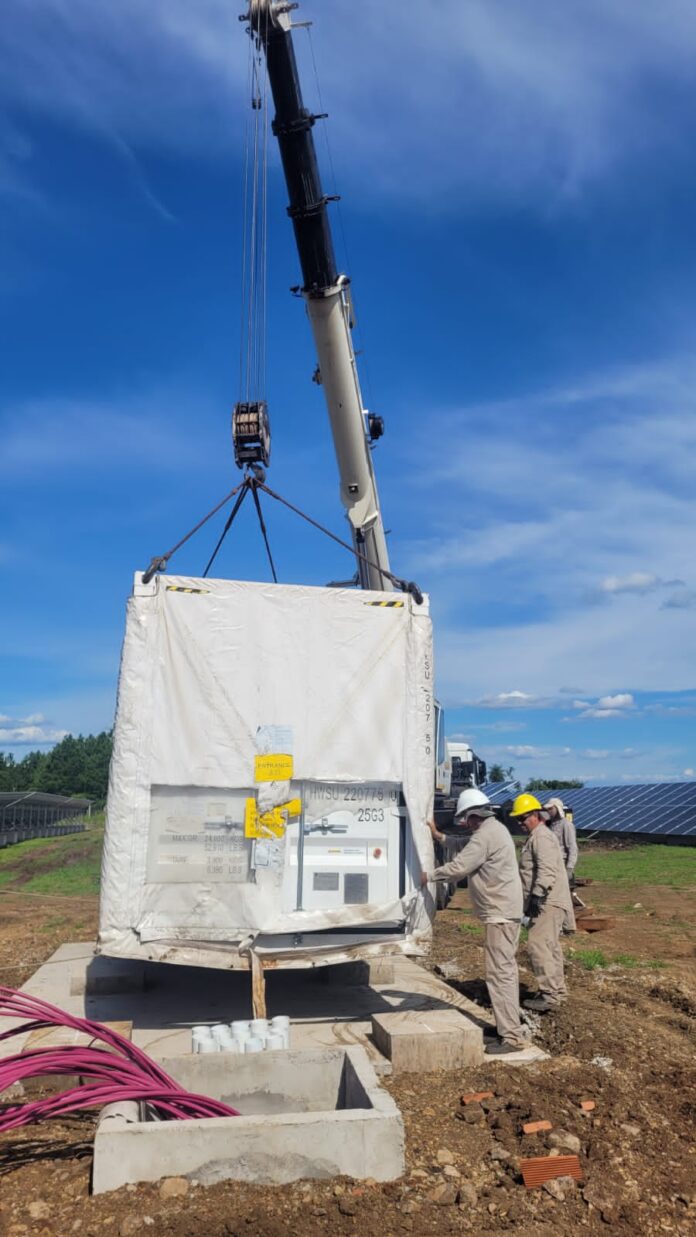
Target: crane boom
(326, 292)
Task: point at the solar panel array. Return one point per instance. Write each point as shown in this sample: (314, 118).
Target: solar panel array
(656, 809)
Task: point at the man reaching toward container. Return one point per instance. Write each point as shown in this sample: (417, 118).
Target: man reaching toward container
(490, 863)
(547, 904)
(564, 832)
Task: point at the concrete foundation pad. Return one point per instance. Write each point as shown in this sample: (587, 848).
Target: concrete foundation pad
(419, 1041)
(327, 1008)
(304, 1114)
(108, 976)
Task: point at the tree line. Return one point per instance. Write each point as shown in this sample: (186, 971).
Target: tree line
(535, 785)
(77, 766)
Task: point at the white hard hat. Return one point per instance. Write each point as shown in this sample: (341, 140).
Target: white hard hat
(470, 799)
(558, 804)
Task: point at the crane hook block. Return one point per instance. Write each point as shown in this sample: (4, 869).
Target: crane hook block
(251, 434)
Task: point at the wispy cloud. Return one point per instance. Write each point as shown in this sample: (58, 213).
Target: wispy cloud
(615, 459)
(40, 437)
(30, 736)
(683, 600)
(636, 582)
(539, 99)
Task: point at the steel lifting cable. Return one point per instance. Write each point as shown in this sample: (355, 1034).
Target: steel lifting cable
(228, 524)
(406, 586)
(159, 563)
(249, 483)
(253, 316)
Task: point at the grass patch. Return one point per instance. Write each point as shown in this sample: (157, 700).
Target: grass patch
(652, 865)
(474, 929)
(56, 921)
(590, 959)
(596, 959)
(69, 866)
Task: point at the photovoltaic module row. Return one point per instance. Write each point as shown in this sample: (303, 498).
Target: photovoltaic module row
(652, 809)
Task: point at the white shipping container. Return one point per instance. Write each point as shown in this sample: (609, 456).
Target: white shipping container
(272, 774)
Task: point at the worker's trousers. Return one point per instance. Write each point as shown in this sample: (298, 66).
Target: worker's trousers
(502, 979)
(545, 953)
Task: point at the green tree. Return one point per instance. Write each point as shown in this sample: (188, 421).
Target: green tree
(536, 784)
(76, 766)
(497, 774)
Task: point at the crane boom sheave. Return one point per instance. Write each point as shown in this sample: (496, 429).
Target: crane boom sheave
(325, 291)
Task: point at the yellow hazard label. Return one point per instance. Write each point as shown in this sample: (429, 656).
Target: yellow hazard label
(178, 588)
(269, 824)
(274, 768)
(388, 605)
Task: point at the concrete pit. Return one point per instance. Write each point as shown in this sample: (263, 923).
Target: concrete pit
(313, 1114)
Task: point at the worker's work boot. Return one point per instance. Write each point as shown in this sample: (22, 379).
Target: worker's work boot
(540, 1004)
(501, 1048)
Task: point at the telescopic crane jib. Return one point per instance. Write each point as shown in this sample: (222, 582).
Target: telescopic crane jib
(326, 293)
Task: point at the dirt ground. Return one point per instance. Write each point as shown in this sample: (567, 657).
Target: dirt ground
(637, 1148)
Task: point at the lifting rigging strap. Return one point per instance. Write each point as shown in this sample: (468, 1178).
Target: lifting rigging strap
(254, 482)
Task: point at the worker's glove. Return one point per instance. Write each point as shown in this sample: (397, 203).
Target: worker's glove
(571, 879)
(535, 905)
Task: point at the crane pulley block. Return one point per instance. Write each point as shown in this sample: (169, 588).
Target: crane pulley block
(251, 434)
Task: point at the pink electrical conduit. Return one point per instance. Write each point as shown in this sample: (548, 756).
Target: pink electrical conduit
(124, 1073)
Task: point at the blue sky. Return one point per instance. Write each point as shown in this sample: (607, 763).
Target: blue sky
(517, 197)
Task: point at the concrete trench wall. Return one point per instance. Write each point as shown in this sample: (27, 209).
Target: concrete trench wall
(359, 1133)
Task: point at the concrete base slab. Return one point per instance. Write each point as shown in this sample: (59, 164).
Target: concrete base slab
(163, 1002)
(304, 1114)
(419, 1041)
(108, 976)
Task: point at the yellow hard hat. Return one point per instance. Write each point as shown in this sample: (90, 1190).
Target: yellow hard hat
(524, 804)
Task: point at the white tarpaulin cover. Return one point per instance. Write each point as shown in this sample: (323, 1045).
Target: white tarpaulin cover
(272, 773)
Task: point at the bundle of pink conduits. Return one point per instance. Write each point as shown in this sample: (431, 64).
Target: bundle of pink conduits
(116, 1071)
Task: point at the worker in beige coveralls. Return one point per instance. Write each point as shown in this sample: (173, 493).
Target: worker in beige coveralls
(564, 832)
(490, 863)
(547, 904)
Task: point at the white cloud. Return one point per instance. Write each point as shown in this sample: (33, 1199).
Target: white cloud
(621, 449)
(602, 713)
(26, 736)
(623, 700)
(32, 719)
(610, 706)
(531, 751)
(512, 700)
(607, 753)
(689, 772)
(635, 582)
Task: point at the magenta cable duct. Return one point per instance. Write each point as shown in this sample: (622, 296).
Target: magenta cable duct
(114, 1071)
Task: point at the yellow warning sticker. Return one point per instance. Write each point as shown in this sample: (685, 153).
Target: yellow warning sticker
(269, 824)
(177, 588)
(273, 768)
